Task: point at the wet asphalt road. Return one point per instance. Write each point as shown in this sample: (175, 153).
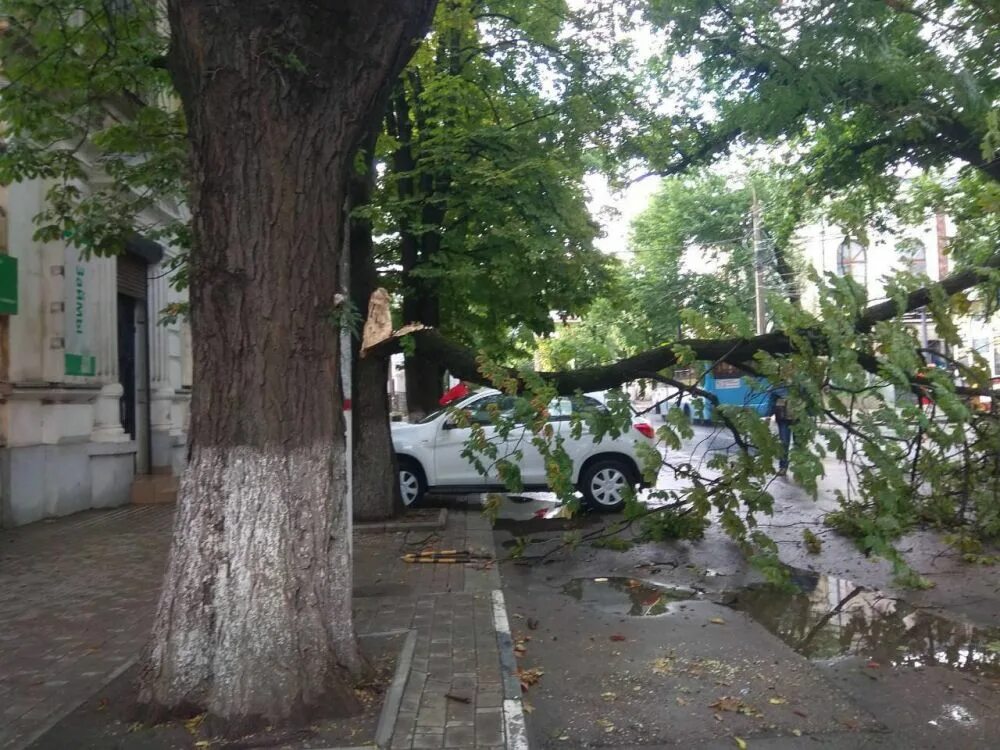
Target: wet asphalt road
(682, 645)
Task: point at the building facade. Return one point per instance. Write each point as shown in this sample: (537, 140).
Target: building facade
(922, 249)
(94, 390)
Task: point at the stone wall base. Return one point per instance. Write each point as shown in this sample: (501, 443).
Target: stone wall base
(44, 481)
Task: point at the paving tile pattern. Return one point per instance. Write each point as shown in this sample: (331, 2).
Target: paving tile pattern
(454, 695)
(77, 597)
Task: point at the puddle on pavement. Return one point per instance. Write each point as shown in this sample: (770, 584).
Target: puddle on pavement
(626, 596)
(821, 617)
(826, 618)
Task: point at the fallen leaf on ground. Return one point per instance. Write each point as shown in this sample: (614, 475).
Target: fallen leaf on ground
(680, 701)
(777, 700)
(529, 677)
(609, 696)
(874, 664)
(727, 703)
(527, 707)
(662, 666)
(797, 732)
(617, 637)
(193, 723)
(741, 743)
(717, 621)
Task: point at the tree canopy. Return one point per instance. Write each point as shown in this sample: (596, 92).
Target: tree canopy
(481, 204)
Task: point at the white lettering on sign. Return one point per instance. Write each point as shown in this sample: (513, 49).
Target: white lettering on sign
(81, 296)
(727, 384)
(79, 325)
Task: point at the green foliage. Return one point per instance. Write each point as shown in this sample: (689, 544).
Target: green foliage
(814, 545)
(693, 246)
(489, 134)
(615, 543)
(904, 463)
(346, 316)
(668, 525)
(90, 110)
(853, 94)
(692, 270)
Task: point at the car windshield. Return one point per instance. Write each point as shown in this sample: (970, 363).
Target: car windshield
(432, 416)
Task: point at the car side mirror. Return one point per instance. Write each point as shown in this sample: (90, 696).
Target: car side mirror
(449, 424)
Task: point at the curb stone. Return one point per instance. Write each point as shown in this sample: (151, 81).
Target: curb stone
(69, 708)
(394, 695)
(380, 527)
(515, 731)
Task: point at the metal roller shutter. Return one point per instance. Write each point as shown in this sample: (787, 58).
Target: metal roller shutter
(131, 276)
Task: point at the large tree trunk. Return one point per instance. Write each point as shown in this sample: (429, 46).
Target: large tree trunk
(424, 380)
(418, 244)
(375, 484)
(254, 622)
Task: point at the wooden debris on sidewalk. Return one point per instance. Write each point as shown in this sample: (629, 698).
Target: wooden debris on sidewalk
(445, 556)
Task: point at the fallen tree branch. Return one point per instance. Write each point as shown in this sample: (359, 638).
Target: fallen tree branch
(464, 364)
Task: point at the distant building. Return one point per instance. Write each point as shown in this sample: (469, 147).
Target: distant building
(920, 249)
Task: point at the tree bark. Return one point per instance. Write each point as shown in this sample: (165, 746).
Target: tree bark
(375, 485)
(418, 246)
(254, 622)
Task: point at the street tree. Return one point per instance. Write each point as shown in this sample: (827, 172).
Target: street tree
(488, 135)
(254, 622)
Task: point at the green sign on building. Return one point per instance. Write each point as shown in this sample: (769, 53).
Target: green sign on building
(8, 285)
(78, 357)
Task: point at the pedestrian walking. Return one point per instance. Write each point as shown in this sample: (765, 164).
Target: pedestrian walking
(784, 420)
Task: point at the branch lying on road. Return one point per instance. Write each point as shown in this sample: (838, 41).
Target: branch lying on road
(464, 364)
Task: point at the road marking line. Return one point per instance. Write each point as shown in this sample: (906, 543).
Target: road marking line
(515, 733)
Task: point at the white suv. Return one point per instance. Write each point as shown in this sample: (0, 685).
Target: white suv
(430, 458)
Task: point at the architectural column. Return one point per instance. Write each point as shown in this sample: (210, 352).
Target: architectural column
(107, 407)
(161, 390)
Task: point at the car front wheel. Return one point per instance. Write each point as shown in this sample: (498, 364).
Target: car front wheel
(605, 483)
(411, 482)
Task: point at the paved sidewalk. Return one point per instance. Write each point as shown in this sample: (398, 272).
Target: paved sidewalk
(452, 609)
(77, 597)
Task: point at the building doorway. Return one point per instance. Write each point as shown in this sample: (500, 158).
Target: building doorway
(133, 356)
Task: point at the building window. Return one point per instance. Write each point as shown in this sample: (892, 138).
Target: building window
(913, 253)
(852, 260)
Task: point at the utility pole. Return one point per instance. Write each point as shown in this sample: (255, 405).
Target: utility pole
(758, 263)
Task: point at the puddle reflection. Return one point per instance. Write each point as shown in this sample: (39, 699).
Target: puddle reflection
(626, 596)
(826, 618)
